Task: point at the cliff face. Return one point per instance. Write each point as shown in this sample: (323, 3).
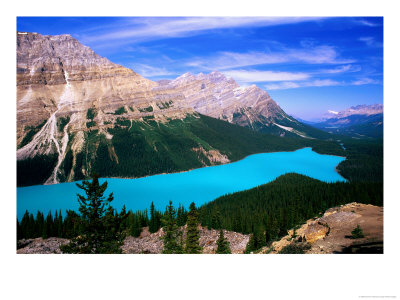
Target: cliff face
(57, 74)
(59, 80)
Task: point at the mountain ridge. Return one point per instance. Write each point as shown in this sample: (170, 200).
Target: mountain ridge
(74, 106)
(357, 121)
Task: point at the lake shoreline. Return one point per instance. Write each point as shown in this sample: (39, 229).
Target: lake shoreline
(179, 172)
(199, 185)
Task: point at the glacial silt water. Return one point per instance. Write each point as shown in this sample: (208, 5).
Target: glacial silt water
(199, 185)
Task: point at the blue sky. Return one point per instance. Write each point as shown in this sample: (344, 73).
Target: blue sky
(307, 65)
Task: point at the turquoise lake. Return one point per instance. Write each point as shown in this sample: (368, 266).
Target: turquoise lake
(199, 185)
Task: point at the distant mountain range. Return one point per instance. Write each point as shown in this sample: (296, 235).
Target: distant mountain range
(356, 121)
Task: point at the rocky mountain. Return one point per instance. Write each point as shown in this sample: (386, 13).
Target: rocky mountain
(356, 121)
(365, 110)
(74, 107)
(218, 96)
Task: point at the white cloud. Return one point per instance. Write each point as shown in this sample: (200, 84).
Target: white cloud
(341, 69)
(370, 41)
(293, 85)
(366, 23)
(149, 71)
(264, 76)
(140, 29)
(317, 83)
(364, 81)
(230, 60)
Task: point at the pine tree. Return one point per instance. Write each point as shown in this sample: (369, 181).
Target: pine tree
(216, 219)
(71, 224)
(153, 224)
(39, 224)
(48, 227)
(19, 231)
(357, 233)
(192, 235)
(123, 216)
(31, 228)
(135, 228)
(100, 225)
(179, 216)
(58, 225)
(223, 244)
(257, 240)
(24, 225)
(170, 238)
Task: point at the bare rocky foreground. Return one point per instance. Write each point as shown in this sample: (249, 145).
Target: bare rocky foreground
(147, 243)
(331, 233)
(328, 234)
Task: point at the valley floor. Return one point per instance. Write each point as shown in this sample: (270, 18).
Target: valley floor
(330, 233)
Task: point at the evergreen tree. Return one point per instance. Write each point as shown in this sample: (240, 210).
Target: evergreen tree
(216, 219)
(100, 226)
(192, 235)
(58, 225)
(153, 222)
(170, 238)
(25, 226)
(19, 231)
(135, 228)
(48, 228)
(39, 224)
(123, 216)
(223, 244)
(31, 228)
(257, 240)
(357, 233)
(71, 224)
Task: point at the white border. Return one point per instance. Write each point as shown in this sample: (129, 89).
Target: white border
(205, 276)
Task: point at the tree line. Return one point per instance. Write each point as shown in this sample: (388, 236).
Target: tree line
(267, 212)
(98, 228)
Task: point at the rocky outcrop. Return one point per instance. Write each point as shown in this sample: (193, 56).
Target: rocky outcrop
(214, 156)
(331, 233)
(316, 231)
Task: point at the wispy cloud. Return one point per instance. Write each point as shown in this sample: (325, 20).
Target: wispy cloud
(364, 81)
(150, 71)
(293, 85)
(370, 41)
(145, 29)
(317, 83)
(341, 69)
(230, 60)
(366, 23)
(264, 76)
